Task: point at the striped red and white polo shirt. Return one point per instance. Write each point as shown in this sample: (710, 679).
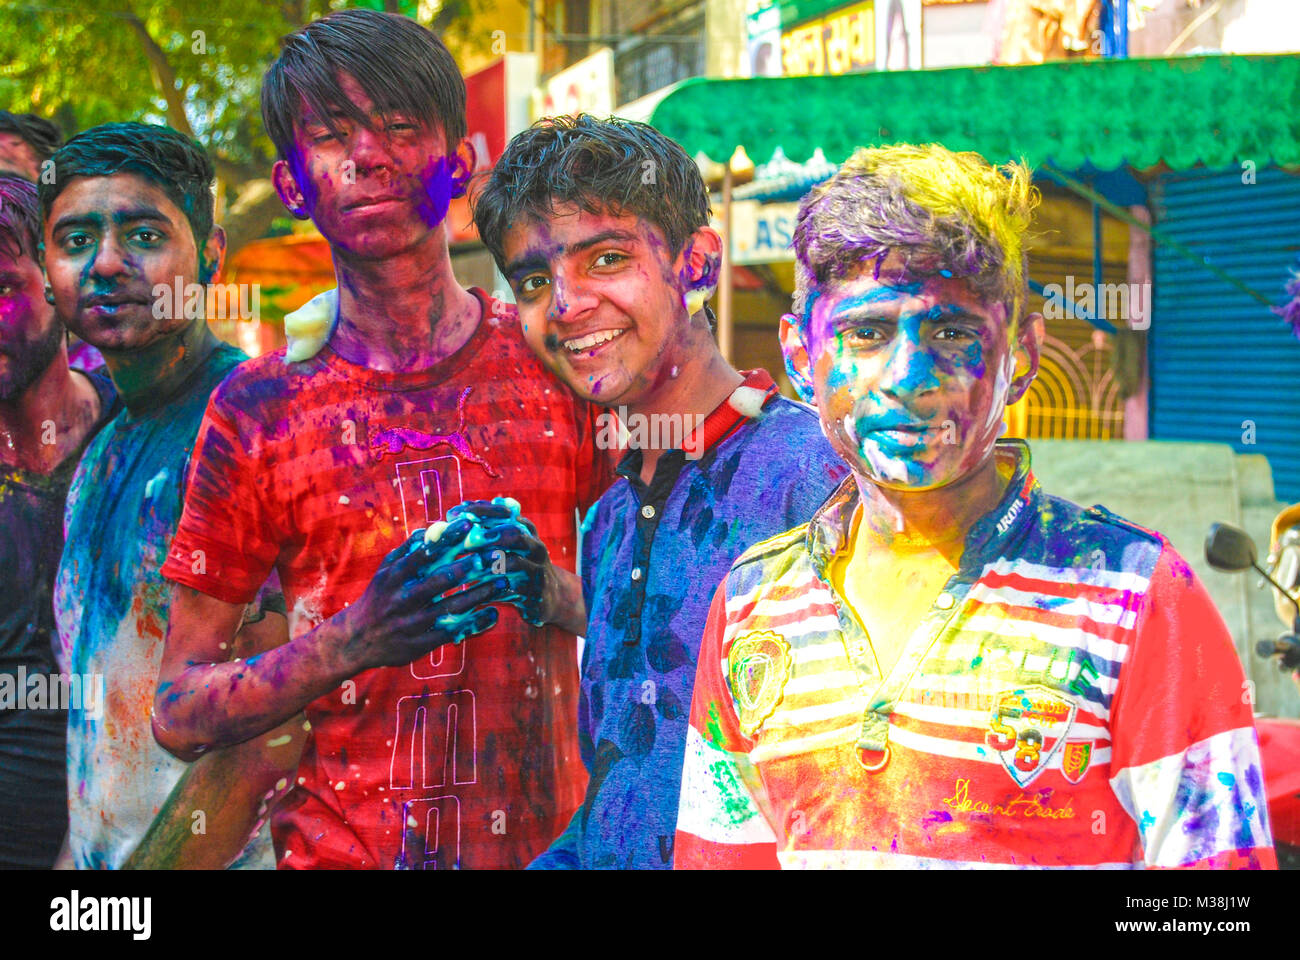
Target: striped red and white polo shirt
(1071, 699)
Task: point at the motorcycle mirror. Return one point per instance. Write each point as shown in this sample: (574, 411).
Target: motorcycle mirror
(1230, 549)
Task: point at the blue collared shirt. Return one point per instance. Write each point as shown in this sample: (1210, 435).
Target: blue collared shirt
(652, 557)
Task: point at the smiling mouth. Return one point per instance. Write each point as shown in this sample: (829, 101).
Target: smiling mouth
(592, 341)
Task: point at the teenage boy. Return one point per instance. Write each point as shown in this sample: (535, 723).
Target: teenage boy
(424, 751)
(48, 413)
(947, 667)
(611, 269)
(130, 212)
(26, 142)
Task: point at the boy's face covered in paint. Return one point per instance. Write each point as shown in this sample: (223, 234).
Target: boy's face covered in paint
(109, 241)
(602, 301)
(373, 191)
(29, 334)
(911, 375)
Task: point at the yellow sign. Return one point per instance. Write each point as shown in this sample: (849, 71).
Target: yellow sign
(843, 42)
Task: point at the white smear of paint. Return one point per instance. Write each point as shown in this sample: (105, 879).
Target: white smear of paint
(886, 467)
(308, 328)
(159, 478)
(344, 500)
(850, 430)
(747, 401)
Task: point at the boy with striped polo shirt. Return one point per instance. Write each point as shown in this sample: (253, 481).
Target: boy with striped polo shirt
(345, 470)
(611, 271)
(946, 666)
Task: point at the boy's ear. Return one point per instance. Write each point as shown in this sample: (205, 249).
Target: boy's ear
(703, 259)
(797, 363)
(213, 255)
(286, 185)
(700, 266)
(463, 162)
(1027, 352)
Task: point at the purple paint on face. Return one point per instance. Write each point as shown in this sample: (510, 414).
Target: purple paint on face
(439, 184)
(29, 336)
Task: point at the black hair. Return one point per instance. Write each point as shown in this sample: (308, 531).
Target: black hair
(616, 166)
(20, 217)
(171, 160)
(43, 136)
(401, 66)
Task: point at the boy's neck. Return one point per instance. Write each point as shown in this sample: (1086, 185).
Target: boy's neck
(914, 523)
(148, 377)
(702, 381)
(46, 423)
(402, 313)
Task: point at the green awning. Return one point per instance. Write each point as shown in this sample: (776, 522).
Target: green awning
(1218, 110)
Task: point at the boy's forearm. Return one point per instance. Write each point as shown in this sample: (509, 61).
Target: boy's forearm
(221, 802)
(211, 706)
(568, 607)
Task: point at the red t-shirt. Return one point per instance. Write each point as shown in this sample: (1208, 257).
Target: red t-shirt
(467, 757)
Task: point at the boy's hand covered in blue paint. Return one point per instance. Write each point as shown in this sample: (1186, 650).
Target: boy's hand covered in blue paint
(408, 608)
(511, 550)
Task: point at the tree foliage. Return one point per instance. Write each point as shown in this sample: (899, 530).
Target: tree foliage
(195, 65)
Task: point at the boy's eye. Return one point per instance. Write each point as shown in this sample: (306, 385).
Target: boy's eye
(148, 236)
(861, 335)
(609, 258)
(531, 284)
(322, 134)
(954, 333)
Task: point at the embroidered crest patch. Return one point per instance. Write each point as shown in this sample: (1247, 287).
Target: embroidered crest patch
(757, 669)
(1026, 728)
(1075, 759)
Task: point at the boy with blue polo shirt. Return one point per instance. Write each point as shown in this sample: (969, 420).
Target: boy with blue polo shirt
(611, 270)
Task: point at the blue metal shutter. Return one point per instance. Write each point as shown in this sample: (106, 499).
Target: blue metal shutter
(1218, 356)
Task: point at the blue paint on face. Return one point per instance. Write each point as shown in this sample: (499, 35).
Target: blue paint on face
(909, 395)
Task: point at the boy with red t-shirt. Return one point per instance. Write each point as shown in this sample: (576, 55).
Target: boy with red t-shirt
(424, 752)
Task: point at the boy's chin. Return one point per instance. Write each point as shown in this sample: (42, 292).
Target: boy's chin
(905, 476)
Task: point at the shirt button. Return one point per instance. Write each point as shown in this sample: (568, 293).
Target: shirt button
(945, 601)
(636, 573)
(648, 511)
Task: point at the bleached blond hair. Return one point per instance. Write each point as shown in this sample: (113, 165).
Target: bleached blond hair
(944, 212)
